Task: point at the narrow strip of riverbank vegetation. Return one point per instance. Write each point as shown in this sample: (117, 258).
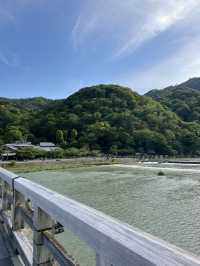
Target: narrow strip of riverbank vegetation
(39, 165)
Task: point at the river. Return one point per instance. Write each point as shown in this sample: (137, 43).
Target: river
(166, 206)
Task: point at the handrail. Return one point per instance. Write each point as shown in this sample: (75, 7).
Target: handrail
(7, 176)
(114, 242)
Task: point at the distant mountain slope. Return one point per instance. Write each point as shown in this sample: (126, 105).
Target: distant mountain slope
(193, 83)
(109, 118)
(16, 116)
(115, 119)
(183, 99)
(36, 103)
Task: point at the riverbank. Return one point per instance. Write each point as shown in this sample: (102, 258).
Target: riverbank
(62, 164)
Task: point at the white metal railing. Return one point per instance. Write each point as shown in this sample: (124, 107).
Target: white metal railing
(115, 243)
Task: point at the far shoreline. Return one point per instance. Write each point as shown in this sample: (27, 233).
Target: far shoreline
(56, 164)
(70, 163)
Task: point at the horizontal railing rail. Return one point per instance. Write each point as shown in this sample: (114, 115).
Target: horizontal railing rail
(45, 211)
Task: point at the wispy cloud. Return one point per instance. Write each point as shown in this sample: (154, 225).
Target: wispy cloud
(78, 37)
(128, 24)
(161, 18)
(178, 67)
(6, 15)
(9, 8)
(9, 59)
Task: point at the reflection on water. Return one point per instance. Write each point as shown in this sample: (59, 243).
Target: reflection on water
(166, 206)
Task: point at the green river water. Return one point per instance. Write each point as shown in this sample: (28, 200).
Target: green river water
(166, 206)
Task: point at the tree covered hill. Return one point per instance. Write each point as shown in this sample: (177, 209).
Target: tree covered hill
(193, 83)
(16, 116)
(107, 118)
(183, 99)
(36, 103)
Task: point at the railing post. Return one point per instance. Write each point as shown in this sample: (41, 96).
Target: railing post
(41, 222)
(1, 191)
(5, 196)
(0, 187)
(17, 219)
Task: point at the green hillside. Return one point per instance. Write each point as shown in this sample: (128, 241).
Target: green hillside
(16, 116)
(193, 83)
(107, 118)
(183, 99)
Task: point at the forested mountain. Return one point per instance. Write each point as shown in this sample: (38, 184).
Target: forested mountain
(37, 103)
(16, 116)
(193, 83)
(183, 99)
(108, 118)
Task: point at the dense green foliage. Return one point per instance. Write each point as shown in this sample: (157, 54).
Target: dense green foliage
(33, 153)
(103, 118)
(16, 116)
(183, 99)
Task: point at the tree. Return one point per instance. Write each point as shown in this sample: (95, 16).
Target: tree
(114, 150)
(57, 153)
(60, 137)
(184, 111)
(73, 137)
(13, 133)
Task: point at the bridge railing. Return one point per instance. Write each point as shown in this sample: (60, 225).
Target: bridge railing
(46, 212)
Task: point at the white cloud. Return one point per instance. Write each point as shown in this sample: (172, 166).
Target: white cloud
(10, 8)
(128, 24)
(6, 15)
(89, 26)
(9, 59)
(179, 67)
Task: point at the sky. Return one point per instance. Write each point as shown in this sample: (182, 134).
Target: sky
(53, 48)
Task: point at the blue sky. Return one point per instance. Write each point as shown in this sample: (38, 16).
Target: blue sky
(52, 48)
